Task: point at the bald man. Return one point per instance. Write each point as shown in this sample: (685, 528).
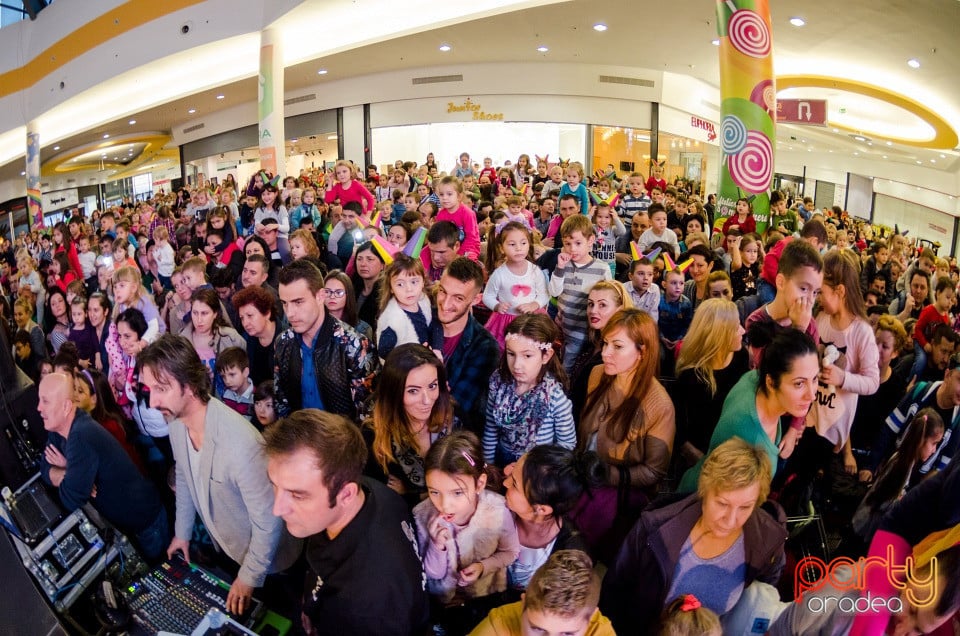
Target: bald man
(87, 464)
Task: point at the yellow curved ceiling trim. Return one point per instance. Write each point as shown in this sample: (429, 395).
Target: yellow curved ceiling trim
(944, 138)
(120, 20)
(63, 162)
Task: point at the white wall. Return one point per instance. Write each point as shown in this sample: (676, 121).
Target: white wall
(921, 221)
(353, 134)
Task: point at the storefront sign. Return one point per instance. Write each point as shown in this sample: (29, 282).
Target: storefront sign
(469, 106)
(59, 200)
(703, 124)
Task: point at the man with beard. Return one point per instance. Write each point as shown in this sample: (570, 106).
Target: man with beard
(469, 352)
(221, 470)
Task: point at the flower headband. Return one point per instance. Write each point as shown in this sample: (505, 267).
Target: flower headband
(542, 346)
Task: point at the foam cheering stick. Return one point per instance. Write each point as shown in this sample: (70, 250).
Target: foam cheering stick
(385, 249)
(415, 245)
(634, 252)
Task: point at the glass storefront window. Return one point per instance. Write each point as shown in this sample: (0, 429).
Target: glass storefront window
(627, 149)
(691, 161)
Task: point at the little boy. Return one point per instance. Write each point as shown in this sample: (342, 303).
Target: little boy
(554, 184)
(636, 200)
(561, 598)
(644, 294)
(88, 264)
(678, 216)
(576, 273)
(658, 230)
(608, 227)
(234, 367)
(27, 359)
(675, 309)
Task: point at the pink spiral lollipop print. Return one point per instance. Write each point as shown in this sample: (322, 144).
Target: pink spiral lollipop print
(752, 169)
(749, 34)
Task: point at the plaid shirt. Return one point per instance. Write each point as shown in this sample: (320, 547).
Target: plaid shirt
(468, 370)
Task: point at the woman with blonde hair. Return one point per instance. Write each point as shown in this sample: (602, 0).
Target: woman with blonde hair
(721, 527)
(712, 359)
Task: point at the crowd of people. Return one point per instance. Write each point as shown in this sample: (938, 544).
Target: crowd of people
(513, 399)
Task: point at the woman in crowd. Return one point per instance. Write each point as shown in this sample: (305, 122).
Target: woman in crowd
(258, 314)
(98, 313)
(712, 359)
(412, 410)
(23, 317)
(720, 528)
(605, 299)
(366, 282)
(178, 303)
(341, 301)
(209, 331)
(59, 318)
(91, 393)
(543, 486)
(784, 384)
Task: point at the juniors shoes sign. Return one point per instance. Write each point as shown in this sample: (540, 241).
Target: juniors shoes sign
(468, 106)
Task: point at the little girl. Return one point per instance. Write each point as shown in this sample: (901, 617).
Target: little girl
(466, 534)
(347, 188)
(744, 265)
(451, 209)
(851, 367)
(263, 400)
(306, 209)
(574, 185)
(516, 286)
(527, 405)
(129, 292)
(608, 228)
(30, 279)
(83, 334)
(685, 616)
(405, 309)
(271, 207)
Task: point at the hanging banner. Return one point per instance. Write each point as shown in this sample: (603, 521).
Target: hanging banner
(34, 206)
(748, 108)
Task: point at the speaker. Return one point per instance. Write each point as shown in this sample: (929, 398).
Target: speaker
(23, 608)
(22, 436)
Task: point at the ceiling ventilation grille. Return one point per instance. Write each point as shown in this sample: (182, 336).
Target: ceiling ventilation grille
(437, 79)
(71, 180)
(190, 129)
(298, 100)
(629, 81)
(44, 185)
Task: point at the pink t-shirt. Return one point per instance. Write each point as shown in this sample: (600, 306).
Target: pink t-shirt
(465, 219)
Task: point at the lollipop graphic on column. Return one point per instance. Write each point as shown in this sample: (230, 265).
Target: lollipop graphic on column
(748, 32)
(733, 135)
(752, 168)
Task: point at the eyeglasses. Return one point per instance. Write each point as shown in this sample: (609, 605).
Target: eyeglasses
(334, 293)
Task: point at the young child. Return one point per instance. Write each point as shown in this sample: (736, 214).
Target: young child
(574, 185)
(347, 188)
(517, 285)
(744, 263)
(271, 208)
(675, 310)
(552, 187)
(561, 598)
(164, 255)
(405, 312)
(263, 401)
(466, 534)
(233, 367)
(685, 616)
(451, 209)
(576, 273)
(851, 367)
(88, 263)
(644, 293)
(658, 231)
(383, 190)
(82, 334)
(636, 200)
(935, 313)
(527, 404)
(608, 227)
(307, 208)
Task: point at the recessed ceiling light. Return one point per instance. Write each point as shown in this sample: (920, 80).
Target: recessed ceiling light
(294, 140)
(23, 173)
(132, 122)
(856, 154)
(542, 49)
(942, 156)
(322, 71)
(220, 96)
(884, 156)
(933, 161)
(913, 63)
(331, 137)
(56, 147)
(445, 47)
(715, 42)
(919, 162)
(869, 143)
(889, 143)
(797, 22)
(600, 26)
(192, 111)
(859, 138)
(836, 130)
(106, 136)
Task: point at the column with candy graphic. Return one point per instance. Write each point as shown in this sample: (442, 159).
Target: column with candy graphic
(34, 208)
(270, 103)
(748, 107)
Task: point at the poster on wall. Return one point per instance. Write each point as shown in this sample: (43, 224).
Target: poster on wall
(747, 108)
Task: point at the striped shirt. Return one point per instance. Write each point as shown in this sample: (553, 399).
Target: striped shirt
(570, 286)
(630, 205)
(508, 418)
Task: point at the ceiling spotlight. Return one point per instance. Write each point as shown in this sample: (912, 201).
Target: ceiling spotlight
(542, 49)
(919, 162)
(884, 156)
(889, 143)
(23, 173)
(913, 63)
(331, 137)
(942, 156)
(445, 47)
(132, 122)
(322, 71)
(933, 161)
(56, 147)
(600, 26)
(192, 111)
(856, 154)
(859, 138)
(797, 22)
(219, 96)
(715, 42)
(106, 136)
